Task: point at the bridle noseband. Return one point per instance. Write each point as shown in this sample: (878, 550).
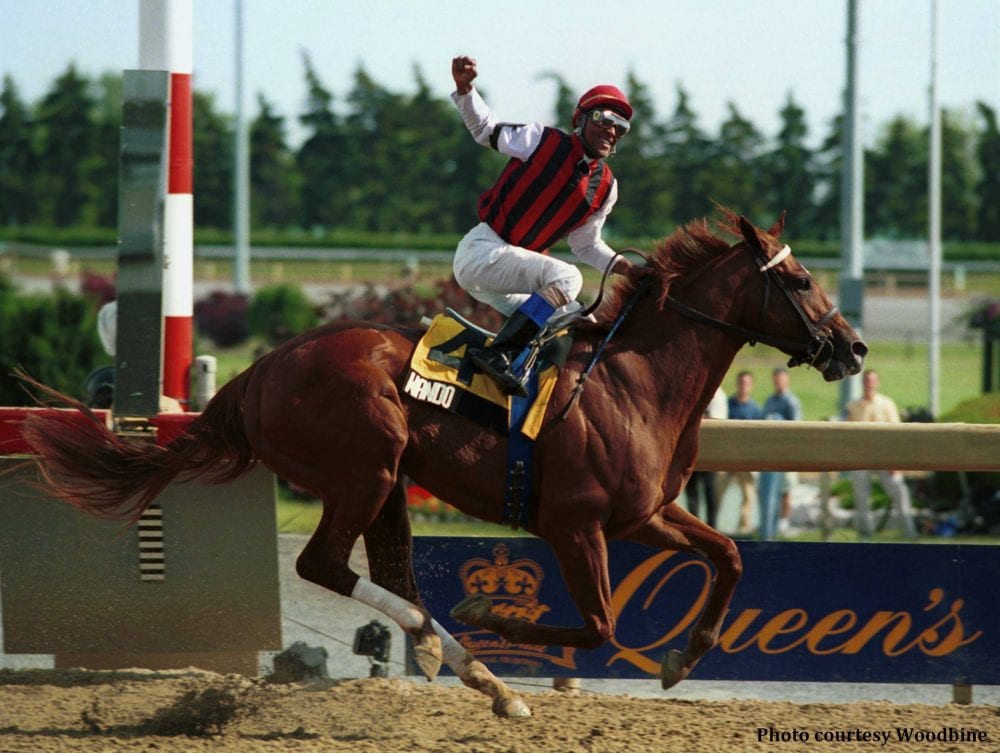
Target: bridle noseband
(808, 351)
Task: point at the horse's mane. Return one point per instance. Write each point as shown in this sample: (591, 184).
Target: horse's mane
(686, 249)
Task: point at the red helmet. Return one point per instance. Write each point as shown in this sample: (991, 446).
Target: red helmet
(604, 95)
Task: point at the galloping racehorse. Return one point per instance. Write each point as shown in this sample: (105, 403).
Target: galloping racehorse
(326, 411)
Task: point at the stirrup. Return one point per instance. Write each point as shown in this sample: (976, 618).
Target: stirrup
(506, 378)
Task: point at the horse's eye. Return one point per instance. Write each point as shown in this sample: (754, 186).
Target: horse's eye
(803, 284)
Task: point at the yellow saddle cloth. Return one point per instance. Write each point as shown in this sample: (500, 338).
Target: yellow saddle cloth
(441, 374)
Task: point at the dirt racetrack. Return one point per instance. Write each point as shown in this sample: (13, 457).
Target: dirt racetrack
(44, 711)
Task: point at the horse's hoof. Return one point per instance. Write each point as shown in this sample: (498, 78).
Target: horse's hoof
(427, 654)
(511, 707)
(672, 670)
(471, 610)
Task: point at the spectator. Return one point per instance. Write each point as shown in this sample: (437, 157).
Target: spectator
(705, 480)
(742, 406)
(100, 384)
(783, 405)
(107, 326)
(874, 406)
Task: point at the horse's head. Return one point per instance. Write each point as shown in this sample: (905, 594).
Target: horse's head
(793, 313)
(754, 290)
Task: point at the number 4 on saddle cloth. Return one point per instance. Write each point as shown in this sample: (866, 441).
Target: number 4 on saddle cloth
(441, 373)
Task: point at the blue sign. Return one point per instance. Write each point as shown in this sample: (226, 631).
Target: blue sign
(806, 612)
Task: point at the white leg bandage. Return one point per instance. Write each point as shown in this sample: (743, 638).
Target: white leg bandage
(403, 612)
(452, 652)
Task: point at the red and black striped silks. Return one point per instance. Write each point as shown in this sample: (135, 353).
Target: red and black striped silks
(537, 202)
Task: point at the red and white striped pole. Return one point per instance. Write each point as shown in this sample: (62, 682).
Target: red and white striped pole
(166, 31)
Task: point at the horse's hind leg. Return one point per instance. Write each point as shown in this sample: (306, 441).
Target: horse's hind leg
(674, 528)
(389, 548)
(324, 561)
(359, 464)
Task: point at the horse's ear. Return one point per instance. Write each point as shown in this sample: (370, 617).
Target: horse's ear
(779, 226)
(750, 233)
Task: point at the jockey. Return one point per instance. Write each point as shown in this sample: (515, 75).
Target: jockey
(556, 185)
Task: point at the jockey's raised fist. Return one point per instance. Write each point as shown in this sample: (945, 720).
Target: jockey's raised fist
(463, 70)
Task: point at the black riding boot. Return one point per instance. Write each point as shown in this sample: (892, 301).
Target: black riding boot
(497, 359)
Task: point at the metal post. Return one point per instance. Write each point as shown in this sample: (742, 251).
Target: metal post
(961, 693)
(241, 174)
(989, 361)
(166, 44)
(570, 685)
(851, 288)
(206, 368)
(934, 229)
(142, 181)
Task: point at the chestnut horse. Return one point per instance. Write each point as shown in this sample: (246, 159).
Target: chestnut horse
(326, 411)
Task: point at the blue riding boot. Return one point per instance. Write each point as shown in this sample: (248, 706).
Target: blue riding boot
(497, 360)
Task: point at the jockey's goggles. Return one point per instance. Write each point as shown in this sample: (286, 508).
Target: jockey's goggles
(608, 119)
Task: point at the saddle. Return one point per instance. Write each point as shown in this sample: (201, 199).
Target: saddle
(442, 373)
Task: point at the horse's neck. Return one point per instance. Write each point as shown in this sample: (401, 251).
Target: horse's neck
(683, 359)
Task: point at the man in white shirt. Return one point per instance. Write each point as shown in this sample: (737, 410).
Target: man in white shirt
(705, 480)
(874, 406)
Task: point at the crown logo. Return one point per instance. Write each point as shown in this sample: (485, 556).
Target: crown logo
(512, 587)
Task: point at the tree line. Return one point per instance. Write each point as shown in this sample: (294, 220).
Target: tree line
(376, 160)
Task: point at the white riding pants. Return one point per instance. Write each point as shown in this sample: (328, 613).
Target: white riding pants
(899, 498)
(503, 276)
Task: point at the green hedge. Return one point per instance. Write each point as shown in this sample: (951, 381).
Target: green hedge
(76, 237)
(279, 312)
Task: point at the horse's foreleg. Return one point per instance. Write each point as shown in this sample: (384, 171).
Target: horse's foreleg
(389, 548)
(583, 559)
(674, 528)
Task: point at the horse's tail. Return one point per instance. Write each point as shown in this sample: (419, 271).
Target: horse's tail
(86, 464)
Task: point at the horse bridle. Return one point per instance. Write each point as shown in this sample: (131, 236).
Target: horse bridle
(809, 351)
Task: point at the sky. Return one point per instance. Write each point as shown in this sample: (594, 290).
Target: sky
(751, 53)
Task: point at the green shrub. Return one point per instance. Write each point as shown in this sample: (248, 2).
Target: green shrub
(279, 312)
(984, 409)
(947, 489)
(53, 337)
(843, 490)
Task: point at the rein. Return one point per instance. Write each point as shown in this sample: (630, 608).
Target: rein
(607, 273)
(750, 335)
(809, 351)
(619, 320)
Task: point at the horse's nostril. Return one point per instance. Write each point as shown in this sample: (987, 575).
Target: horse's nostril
(859, 349)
